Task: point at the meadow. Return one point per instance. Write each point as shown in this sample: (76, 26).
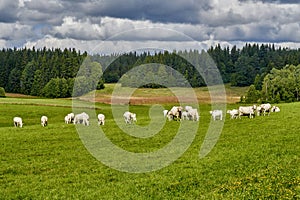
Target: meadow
(253, 158)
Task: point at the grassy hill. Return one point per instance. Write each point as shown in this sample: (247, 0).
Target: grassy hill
(253, 158)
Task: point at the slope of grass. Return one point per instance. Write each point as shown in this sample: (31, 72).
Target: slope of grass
(253, 158)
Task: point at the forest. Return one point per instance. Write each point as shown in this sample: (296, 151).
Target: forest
(68, 72)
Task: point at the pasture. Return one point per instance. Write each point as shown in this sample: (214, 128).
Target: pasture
(253, 158)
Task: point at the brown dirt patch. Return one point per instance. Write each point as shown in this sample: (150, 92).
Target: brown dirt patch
(15, 95)
(160, 100)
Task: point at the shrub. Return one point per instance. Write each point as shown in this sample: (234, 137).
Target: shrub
(2, 92)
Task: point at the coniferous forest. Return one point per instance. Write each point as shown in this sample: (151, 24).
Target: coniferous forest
(52, 72)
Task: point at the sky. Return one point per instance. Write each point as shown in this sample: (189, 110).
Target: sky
(114, 26)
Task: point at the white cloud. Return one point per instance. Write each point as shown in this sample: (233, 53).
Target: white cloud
(14, 31)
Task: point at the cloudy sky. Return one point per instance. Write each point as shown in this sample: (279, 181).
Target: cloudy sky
(106, 26)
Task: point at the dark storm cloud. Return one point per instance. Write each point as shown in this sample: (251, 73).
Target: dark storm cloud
(8, 11)
(157, 11)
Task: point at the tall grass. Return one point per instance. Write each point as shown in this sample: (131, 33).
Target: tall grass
(253, 159)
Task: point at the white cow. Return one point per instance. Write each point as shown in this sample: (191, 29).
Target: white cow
(247, 110)
(101, 119)
(275, 109)
(165, 113)
(82, 118)
(175, 113)
(193, 114)
(266, 108)
(216, 114)
(44, 121)
(67, 121)
(69, 118)
(18, 122)
(258, 110)
(234, 113)
(184, 115)
(129, 117)
(187, 108)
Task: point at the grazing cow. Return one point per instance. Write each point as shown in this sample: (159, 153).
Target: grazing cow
(193, 114)
(129, 117)
(44, 121)
(175, 113)
(247, 111)
(187, 108)
(216, 114)
(266, 108)
(275, 109)
(18, 122)
(233, 113)
(82, 118)
(69, 118)
(184, 115)
(258, 110)
(101, 119)
(165, 113)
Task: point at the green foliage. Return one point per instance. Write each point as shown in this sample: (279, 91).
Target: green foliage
(282, 85)
(81, 86)
(28, 71)
(252, 95)
(37, 86)
(27, 78)
(2, 92)
(89, 77)
(56, 88)
(100, 85)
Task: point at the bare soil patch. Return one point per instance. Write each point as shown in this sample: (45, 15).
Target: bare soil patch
(16, 95)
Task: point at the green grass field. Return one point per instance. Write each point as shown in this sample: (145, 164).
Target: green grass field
(253, 158)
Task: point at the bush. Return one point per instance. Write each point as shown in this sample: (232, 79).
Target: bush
(56, 88)
(2, 92)
(252, 95)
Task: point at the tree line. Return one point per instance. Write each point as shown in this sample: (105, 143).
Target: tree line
(280, 85)
(239, 67)
(47, 72)
(67, 72)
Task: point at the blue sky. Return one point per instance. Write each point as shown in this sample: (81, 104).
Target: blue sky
(106, 26)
